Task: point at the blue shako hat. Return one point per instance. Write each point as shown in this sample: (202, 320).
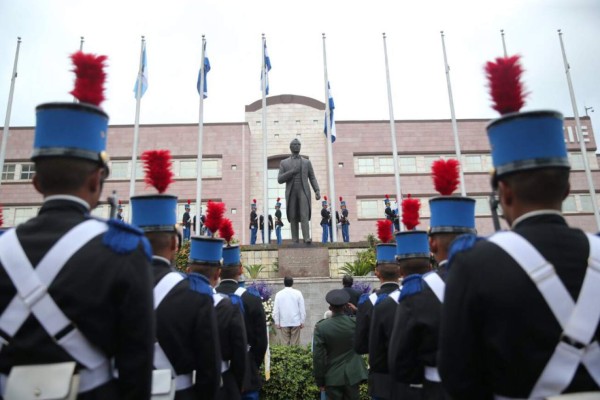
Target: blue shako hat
(342, 201)
(154, 213)
(324, 202)
(278, 203)
(231, 256)
(206, 250)
(385, 253)
(78, 130)
(412, 244)
(524, 141)
(452, 214)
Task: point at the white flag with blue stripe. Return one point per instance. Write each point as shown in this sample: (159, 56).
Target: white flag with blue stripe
(267, 66)
(206, 69)
(144, 77)
(330, 119)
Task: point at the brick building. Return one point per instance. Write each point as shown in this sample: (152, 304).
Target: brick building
(363, 164)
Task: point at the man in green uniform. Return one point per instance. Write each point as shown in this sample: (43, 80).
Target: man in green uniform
(337, 368)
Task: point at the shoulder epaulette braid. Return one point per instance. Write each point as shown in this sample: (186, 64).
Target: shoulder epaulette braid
(411, 285)
(462, 243)
(363, 297)
(123, 238)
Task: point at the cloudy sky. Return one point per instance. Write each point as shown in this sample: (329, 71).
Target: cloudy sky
(50, 31)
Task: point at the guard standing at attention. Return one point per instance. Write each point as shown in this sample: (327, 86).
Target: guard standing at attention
(186, 222)
(345, 221)
(278, 221)
(521, 311)
(325, 220)
(252, 310)
(204, 269)
(75, 291)
(186, 325)
(253, 222)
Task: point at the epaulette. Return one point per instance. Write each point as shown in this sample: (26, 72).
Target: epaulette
(460, 244)
(381, 297)
(123, 238)
(363, 297)
(411, 285)
(237, 301)
(253, 291)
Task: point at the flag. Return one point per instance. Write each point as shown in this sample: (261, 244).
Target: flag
(267, 67)
(206, 69)
(331, 120)
(144, 76)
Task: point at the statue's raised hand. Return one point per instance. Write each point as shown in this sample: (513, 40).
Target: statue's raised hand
(317, 196)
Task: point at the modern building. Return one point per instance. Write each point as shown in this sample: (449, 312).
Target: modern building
(232, 165)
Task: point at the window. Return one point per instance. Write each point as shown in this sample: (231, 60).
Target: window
(366, 165)
(576, 161)
(386, 165)
(472, 163)
(234, 210)
(187, 169)
(27, 171)
(210, 168)
(118, 169)
(8, 172)
(368, 209)
(568, 205)
(139, 170)
(233, 167)
(341, 165)
(482, 206)
(24, 214)
(408, 165)
(586, 203)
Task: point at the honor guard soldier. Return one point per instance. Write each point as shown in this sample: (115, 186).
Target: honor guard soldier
(387, 272)
(345, 221)
(337, 368)
(411, 249)
(414, 341)
(204, 268)
(521, 309)
(325, 220)
(186, 325)
(252, 309)
(120, 212)
(389, 213)
(253, 222)
(278, 221)
(186, 222)
(75, 291)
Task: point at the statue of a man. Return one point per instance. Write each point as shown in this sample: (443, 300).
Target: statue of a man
(296, 172)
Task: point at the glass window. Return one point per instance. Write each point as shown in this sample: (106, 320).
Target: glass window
(386, 165)
(27, 171)
(118, 169)
(427, 161)
(210, 168)
(187, 169)
(407, 165)
(368, 209)
(366, 165)
(586, 203)
(24, 214)
(576, 161)
(139, 170)
(472, 163)
(568, 205)
(482, 206)
(8, 172)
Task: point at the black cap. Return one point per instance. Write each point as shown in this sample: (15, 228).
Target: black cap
(337, 297)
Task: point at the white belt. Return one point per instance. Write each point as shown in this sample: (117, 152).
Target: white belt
(432, 374)
(225, 366)
(184, 381)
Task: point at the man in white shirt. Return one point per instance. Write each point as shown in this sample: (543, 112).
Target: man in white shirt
(289, 313)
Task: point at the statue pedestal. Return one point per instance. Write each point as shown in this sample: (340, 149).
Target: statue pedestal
(300, 261)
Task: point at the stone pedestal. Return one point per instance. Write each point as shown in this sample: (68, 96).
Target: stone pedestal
(304, 261)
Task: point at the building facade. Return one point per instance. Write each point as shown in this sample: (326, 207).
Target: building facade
(232, 165)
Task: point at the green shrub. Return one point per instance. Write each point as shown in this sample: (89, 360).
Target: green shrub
(292, 377)
(253, 270)
(363, 265)
(181, 260)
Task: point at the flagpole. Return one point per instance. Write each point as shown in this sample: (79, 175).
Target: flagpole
(503, 43)
(81, 40)
(454, 125)
(393, 130)
(265, 232)
(200, 140)
(329, 147)
(586, 164)
(9, 108)
(136, 127)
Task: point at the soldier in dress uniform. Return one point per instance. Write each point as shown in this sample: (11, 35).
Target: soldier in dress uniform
(337, 368)
(388, 273)
(253, 222)
(344, 221)
(414, 340)
(186, 324)
(411, 249)
(278, 221)
(78, 289)
(186, 222)
(120, 212)
(204, 268)
(389, 213)
(254, 319)
(520, 316)
(325, 220)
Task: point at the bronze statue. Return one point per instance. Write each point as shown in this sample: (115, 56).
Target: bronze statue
(296, 172)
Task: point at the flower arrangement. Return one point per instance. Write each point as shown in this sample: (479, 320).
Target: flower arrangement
(265, 291)
(362, 287)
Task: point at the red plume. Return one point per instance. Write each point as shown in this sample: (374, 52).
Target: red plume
(384, 230)
(279, 198)
(157, 166)
(254, 201)
(1, 217)
(504, 81)
(445, 176)
(410, 212)
(189, 202)
(90, 76)
(341, 198)
(325, 198)
(226, 230)
(214, 215)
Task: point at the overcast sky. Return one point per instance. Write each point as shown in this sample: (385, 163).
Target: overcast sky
(50, 31)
